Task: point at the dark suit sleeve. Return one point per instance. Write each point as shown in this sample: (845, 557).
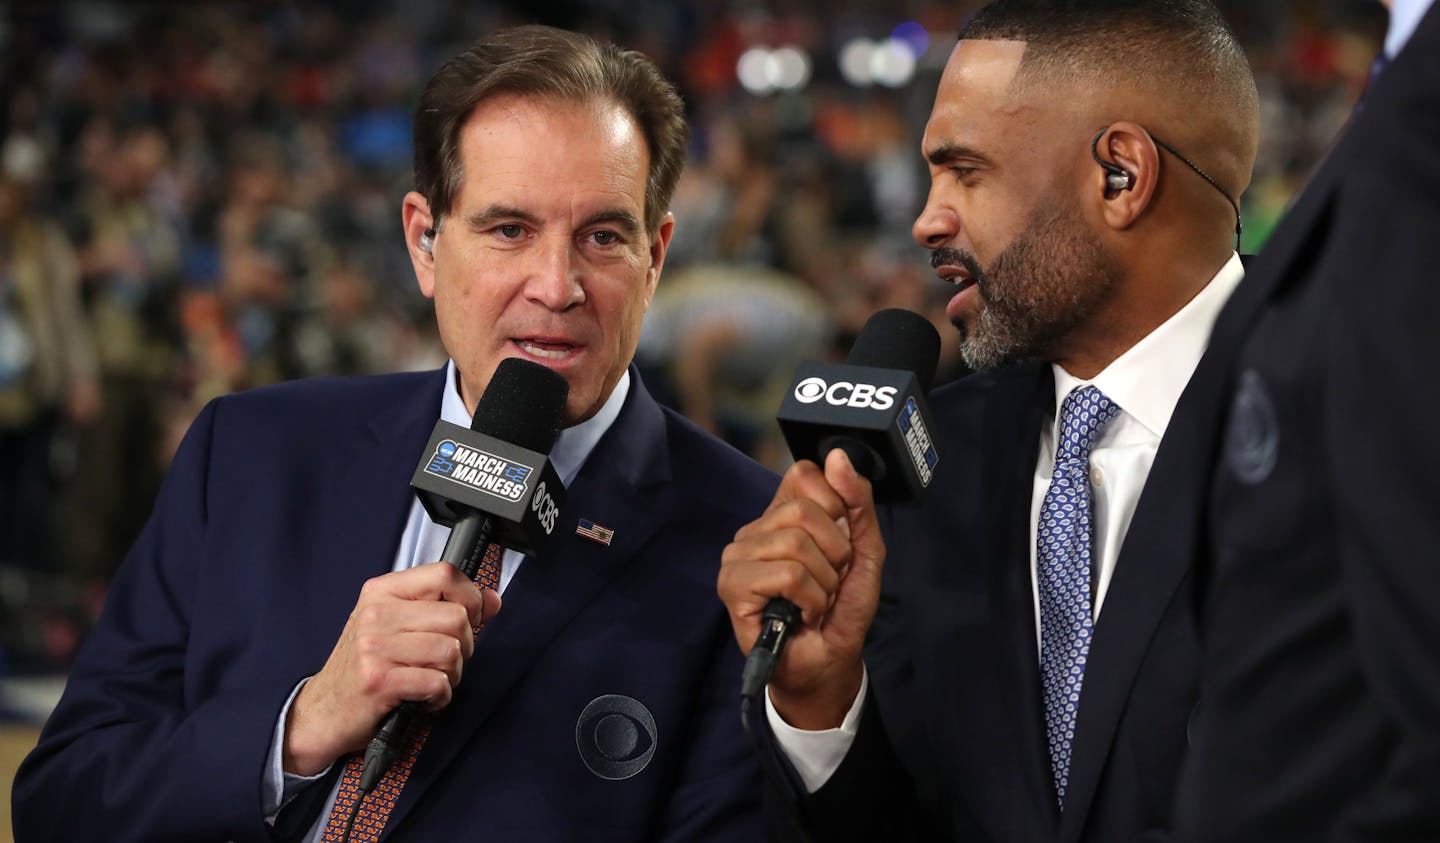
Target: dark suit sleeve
(863, 800)
(870, 796)
(128, 754)
(718, 795)
(1381, 416)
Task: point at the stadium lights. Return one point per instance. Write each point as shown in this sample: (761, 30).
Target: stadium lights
(762, 70)
(889, 62)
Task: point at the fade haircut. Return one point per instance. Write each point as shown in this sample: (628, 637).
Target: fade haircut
(1181, 48)
(541, 61)
(1071, 34)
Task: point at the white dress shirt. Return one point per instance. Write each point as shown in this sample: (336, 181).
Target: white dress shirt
(1145, 383)
(1405, 16)
(422, 543)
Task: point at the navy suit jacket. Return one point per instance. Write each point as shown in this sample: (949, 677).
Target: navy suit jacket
(1320, 718)
(280, 503)
(952, 744)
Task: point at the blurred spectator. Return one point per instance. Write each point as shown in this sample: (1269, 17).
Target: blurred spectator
(130, 253)
(726, 197)
(721, 342)
(47, 360)
(273, 260)
(48, 382)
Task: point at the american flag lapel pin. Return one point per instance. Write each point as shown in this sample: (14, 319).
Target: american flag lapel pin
(594, 532)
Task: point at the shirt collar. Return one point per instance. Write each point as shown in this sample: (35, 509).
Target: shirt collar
(573, 447)
(1146, 381)
(1405, 16)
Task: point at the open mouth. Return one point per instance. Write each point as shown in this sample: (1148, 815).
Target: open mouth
(957, 276)
(546, 349)
(960, 303)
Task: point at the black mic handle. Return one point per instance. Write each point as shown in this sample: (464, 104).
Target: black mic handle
(465, 549)
(779, 617)
(469, 539)
(380, 752)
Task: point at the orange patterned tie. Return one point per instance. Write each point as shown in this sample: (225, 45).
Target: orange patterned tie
(375, 811)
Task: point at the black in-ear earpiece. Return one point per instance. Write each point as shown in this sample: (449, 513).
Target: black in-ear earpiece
(1119, 178)
(427, 241)
(1116, 177)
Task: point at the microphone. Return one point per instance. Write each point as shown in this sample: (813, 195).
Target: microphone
(873, 408)
(492, 482)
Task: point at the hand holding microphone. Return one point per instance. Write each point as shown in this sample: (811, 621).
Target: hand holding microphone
(411, 630)
(406, 639)
(806, 575)
(817, 550)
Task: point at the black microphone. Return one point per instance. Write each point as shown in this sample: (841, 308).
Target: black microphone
(492, 482)
(873, 408)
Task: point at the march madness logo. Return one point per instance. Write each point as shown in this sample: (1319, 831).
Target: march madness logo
(479, 470)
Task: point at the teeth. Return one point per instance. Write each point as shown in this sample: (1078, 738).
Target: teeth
(545, 353)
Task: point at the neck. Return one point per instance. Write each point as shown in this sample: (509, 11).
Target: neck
(1144, 300)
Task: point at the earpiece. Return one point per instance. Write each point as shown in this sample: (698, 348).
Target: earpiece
(1116, 177)
(427, 241)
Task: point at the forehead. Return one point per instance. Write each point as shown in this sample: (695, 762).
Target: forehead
(975, 96)
(539, 150)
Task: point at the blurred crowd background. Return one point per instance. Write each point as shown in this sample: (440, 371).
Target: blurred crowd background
(201, 197)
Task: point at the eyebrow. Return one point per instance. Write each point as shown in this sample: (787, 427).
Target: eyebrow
(623, 220)
(494, 213)
(947, 153)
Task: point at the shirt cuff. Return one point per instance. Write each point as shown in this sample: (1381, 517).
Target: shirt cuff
(278, 787)
(817, 755)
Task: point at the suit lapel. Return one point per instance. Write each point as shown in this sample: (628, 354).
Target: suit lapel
(1022, 405)
(368, 503)
(615, 488)
(1166, 537)
(1282, 258)
(1284, 248)
(1158, 553)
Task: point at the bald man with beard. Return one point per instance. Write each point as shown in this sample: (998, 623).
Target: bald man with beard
(1027, 665)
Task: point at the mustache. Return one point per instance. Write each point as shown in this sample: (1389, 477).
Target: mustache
(946, 256)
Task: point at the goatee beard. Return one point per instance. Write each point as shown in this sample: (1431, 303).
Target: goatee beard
(1051, 278)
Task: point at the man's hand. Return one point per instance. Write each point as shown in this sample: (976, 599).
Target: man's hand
(819, 546)
(407, 639)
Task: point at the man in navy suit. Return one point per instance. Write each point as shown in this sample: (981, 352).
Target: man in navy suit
(278, 603)
(1004, 684)
(1320, 717)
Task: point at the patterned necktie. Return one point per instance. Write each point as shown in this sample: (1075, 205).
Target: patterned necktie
(1063, 541)
(375, 811)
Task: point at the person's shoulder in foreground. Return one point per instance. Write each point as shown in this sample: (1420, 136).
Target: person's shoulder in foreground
(1321, 718)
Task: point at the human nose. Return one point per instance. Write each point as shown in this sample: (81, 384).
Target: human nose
(938, 223)
(554, 279)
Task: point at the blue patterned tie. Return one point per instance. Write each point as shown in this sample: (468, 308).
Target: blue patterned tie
(1063, 563)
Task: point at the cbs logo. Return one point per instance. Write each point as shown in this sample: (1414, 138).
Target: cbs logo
(845, 394)
(545, 508)
(616, 737)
